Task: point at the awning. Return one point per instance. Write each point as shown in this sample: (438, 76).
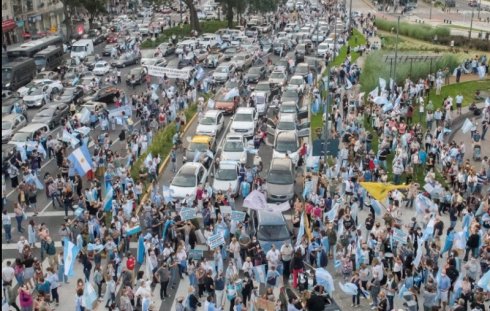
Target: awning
(8, 25)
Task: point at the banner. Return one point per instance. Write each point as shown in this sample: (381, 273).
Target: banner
(256, 200)
(382, 84)
(225, 209)
(467, 125)
(196, 254)
(400, 236)
(215, 240)
(238, 216)
(380, 191)
(187, 214)
(349, 288)
(118, 112)
(171, 73)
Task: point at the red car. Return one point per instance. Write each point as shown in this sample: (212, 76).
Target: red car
(111, 38)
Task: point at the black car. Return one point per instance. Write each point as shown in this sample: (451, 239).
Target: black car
(52, 114)
(105, 95)
(300, 52)
(98, 38)
(90, 61)
(255, 74)
(70, 95)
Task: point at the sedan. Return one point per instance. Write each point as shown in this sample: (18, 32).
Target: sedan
(35, 97)
(50, 75)
(90, 61)
(126, 60)
(10, 125)
(226, 177)
(166, 49)
(255, 74)
(278, 78)
(290, 96)
(297, 83)
(108, 49)
(242, 61)
(52, 115)
(70, 95)
(188, 178)
(101, 68)
(211, 123)
(213, 60)
(136, 76)
(230, 52)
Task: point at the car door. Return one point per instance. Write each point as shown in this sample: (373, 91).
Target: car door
(220, 121)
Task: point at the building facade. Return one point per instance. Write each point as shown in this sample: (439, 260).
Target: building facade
(22, 19)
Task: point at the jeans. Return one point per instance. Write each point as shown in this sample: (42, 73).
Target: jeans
(8, 232)
(19, 223)
(54, 295)
(57, 197)
(61, 274)
(163, 289)
(390, 302)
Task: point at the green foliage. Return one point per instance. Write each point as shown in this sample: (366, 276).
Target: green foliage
(467, 89)
(417, 31)
(161, 144)
(94, 7)
(263, 6)
(376, 67)
(185, 30)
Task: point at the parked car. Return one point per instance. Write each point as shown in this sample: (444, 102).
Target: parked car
(278, 78)
(242, 61)
(48, 75)
(108, 49)
(213, 60)
(224, 72)
(106, 95)
(230, 52)
(70, 95)
(90, 61)
(101, 68)
(244, 121)
(297, 83)
(280, 180)
(10, 125)
(234, 148)
(126, 59)
(166, 49)
(52, 114)
(136, 76)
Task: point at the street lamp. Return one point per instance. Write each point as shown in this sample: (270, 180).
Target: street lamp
(471, 21)
(396, 47)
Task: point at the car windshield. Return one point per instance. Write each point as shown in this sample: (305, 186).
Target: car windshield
(40, 61)
(6, 74)
(243, 117)
(296, 81)
(198, 147)
(6, 125)
(280, 177)
(233, 146)
(263, 87)
(222, 69)
(240, 57)
(283, 145)
(99, 65)
(286, 126)
(226, 174)
(6, 109)
(36, 91)
(21, 136)
(272, 233)
(290, 94)
(288, 108)
(45, 113)
(208, 121)
(277, 75)
(254, 70)
(231, 51)
(302, 69)
(78, 48)
(182, 180)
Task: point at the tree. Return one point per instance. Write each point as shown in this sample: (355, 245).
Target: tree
(229, 5)
(69, 8)
(194, 20)
(263, 6)
(94, 8)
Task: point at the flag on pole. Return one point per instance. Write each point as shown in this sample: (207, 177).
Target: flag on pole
(324, 278)
(140, 256)
(349, 288)
(70, 253)
(359, 255)
(81, 160)
(301, 231)
(259, 272)
(134, 230)
(108, 199)
(382, 84)
(376, 206)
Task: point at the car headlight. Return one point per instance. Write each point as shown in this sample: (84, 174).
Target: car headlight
(7, 85)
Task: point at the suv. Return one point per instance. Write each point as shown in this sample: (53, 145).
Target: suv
(244, 121)
(280, 180)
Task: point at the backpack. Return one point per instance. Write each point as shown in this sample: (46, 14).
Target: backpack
(344, 240)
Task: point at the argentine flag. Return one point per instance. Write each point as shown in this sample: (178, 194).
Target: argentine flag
(89, 295)
(81, 159)
(108, 199)
(134, 230)
(70, 253)
(324, 278)
(259, 272)
(140, 256)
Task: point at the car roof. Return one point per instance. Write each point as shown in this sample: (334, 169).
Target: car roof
(281, 163)
(287, 135)
(201, 139)
(287, 117)
(296, 77)
(32, 127)
(189, 168)
(234, 137)
(213, 113)
(226, 163)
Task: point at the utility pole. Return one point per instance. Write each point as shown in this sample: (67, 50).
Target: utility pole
(396, 47)
(350, 15)
(479, 9)
(471, 21)
(180, 10)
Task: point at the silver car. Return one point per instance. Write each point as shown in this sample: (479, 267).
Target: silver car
(280, 180)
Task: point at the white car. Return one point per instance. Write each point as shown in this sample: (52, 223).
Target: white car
(10, 124)
(188, 178)
(278, 78)
(223, 72)
(36, 97)
(234, 148)
(297, 83)
(54, 86)
(226, 177)
(101, 68)
(286, 142)
(244, 121)
(211, 123)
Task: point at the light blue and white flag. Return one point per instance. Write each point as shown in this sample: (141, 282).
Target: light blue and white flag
(402, 291)
(81, 160)
(348, 288)
(331, 214)
(108, 200)
(132, 231)
(376, 206)
(84, 116)
(167, 194)
(429, 230)
(197, 155)
(374, 93)
(382, 84)
(484, 281)
(95, 247)
(70, 253)
(467, 125)
(418, 256)
(89, 295)
(70, 138)
(359, 255)
(140, 255)
(259, 273)
(324, 278)
(301, 231)
(232, 93)
(148, 159)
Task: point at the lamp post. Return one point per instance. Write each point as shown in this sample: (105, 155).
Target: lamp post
(350, 15)
(479, 9)
(471, 21)
(396, 47)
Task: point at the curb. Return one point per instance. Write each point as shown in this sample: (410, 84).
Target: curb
(163, 166)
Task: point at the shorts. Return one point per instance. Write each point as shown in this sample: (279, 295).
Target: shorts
(459, 105)
(444, 296)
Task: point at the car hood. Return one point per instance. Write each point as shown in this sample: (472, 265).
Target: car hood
(251, 76)
(201, 128)
(30, 98)
(220, 75)
(41, 119)
(22, 91)
(280, 189)
(238, 156)
(293, 155)
(6, 133)
(182, 192)
(242, 125)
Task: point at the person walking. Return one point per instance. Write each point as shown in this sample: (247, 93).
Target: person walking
(163, 277)
(7, 225)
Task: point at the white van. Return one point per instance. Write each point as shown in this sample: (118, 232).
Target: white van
(82, 48)
(208, 40)
(189, 45)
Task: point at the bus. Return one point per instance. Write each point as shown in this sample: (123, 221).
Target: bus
(49, 58)
(29, 49)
